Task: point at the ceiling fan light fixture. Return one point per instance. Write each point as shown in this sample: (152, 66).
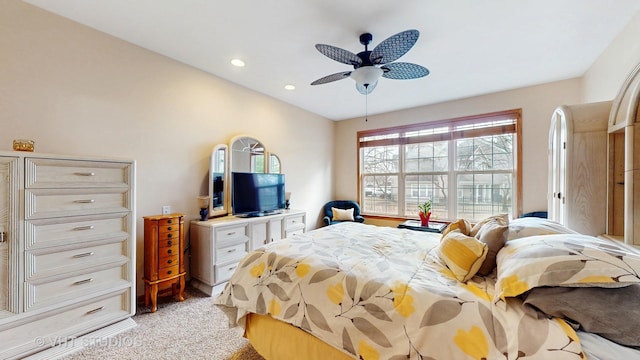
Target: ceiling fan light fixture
(366, 75)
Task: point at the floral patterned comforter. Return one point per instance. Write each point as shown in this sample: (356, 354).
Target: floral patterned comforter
(381, 293)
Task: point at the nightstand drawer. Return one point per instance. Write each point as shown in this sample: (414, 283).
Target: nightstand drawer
(168, 272)
(172, 221)
(57, 173)
(224, 272)
(229, 253)
(164, 236)
(168, 259)
(42, 294)
(48, 203)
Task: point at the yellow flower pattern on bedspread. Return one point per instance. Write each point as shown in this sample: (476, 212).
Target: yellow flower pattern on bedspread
(381, 293)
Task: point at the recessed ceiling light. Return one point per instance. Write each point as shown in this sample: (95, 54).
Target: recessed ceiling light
(290, 87)
(237, 62)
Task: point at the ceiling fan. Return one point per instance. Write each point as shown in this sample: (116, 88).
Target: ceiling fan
(369, 65)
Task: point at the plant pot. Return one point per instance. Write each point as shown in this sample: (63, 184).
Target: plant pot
(424, 219)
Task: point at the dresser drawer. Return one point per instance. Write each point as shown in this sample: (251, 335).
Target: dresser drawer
(74, 230)
(231, 235)
(228, 253)
(47, 293)
(294, 222)
(52, 262)
(68, 323)
(58, 173)
(224, 272)
(48, 203)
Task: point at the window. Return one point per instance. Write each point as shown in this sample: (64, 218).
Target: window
(469, 167)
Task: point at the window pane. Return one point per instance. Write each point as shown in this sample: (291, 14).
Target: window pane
(420, 188)
(380, 194)
(483, 195)
(485, 153)
(426, 157)
(380, 159)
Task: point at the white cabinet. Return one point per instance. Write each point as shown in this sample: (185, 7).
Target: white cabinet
(578, 167)
(623, 216)
(218, 245)
(67, 253)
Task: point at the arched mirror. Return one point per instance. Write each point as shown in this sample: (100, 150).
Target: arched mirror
(218, 184)
(247, 155)
(274, 164)
(244, 154)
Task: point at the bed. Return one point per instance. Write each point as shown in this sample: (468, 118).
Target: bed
(497, 290)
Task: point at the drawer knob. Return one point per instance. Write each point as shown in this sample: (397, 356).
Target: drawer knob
(230, 251)
(85, 174)
(169, 251)
(169, 243)
(169, 221)
(80, 228)
(169, 261)
(169, 235)
(95, 310)
(84, 201)
(81, 282)
(83, 254)
(169, 228)
(169, 272)
(232, 268)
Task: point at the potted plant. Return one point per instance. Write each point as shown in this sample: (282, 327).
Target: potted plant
(425, 212)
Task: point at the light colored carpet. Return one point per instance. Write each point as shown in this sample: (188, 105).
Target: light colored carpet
(192, 329)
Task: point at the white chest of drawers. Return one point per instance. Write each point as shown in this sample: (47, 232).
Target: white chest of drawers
(69, 227)
(218, 245)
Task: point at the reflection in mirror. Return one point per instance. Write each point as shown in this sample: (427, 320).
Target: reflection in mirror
(274, 164)
(217, 181)
(247, 155)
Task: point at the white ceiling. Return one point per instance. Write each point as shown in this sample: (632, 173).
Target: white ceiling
(471, 47)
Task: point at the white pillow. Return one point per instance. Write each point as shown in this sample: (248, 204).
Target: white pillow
(342, 215)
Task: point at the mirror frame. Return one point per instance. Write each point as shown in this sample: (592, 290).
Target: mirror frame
(228, 167)
(225, 185)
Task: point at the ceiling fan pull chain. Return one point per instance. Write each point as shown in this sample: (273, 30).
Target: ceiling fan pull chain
(366, 104)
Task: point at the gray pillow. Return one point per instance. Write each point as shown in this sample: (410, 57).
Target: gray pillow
(613, 313)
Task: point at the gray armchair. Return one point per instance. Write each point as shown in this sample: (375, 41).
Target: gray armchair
(341, 204)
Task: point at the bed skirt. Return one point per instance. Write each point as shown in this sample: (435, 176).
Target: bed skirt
(274, 339)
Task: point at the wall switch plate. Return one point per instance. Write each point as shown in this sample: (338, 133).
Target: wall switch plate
(166, 209)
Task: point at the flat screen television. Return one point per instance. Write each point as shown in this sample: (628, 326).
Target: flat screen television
(257, 194)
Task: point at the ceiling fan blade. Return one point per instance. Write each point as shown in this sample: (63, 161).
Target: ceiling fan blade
(332, 77)
(403, 70)
(366, 90)
(339, 55)
(394, 47)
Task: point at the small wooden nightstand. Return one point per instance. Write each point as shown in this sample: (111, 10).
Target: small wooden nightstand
(163, 256)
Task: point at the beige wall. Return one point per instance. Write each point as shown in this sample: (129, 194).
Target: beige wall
(537, 104)
(78, 91)
(606, 75)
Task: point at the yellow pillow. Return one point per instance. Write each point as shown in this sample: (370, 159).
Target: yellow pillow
(461, 225)
(342, 215)
(462, 254)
